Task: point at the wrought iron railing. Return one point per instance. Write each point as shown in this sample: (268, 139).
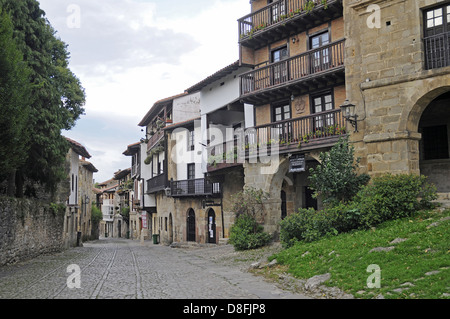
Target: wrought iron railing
(437, 51)
(194, 187)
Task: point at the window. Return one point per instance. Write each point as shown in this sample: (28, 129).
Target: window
(435, 142)
(278, 10)
(158, 168)
(191, 178)
(279, 54)
(281, 112)
(436, 37)
(321, 58)
(191, 140)
(437, 20)
(161, 167)
(279, 71)
(322, 103)
(191, 171)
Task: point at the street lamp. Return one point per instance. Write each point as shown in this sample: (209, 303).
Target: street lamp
(349, 113)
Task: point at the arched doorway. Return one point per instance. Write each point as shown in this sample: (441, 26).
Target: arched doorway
(434, 147)
(190, 225)
(211, 226)
(283, 205)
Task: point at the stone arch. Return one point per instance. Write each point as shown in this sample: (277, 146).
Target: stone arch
(275, 182)
(434, 150)
(409, 121)
(191, 231)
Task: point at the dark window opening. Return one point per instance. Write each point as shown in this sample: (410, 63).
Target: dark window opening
(435, 142)
(191, 140)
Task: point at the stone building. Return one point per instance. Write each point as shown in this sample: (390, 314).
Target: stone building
(108, 202)
(142, 204)
(397, 58)
(295, 88)
(77, 219)
(86, 196)
(125, 195)
(387, 63)
(162, 211)
(223, 119)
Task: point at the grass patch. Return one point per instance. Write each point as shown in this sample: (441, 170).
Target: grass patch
(346, 257)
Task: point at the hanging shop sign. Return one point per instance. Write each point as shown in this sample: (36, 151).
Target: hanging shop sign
(297, 164)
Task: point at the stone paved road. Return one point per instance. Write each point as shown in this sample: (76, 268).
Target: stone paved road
(124, 269)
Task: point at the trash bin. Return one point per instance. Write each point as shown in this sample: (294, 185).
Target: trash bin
(155, 239)
(127, 236)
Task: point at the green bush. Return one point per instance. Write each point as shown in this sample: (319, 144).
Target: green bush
(246, 233)
(392, 197)
(97, 215)
(388, 197)
(310, 225)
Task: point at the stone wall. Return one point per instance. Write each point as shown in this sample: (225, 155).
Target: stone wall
(28, 228)
(387, 81)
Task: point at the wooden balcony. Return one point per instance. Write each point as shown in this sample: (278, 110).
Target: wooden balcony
(195, 187)
(315, 131)
(157, 183)
(223, 156)
(319, 68)
(283, 18)
(437, 51)
(304, 133)
(154, 138)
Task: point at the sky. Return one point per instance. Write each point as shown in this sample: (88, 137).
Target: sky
(130, 53)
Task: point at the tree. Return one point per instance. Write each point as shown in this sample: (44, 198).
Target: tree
(57, 97)
(15, 91)
(250, 202)
(335, 178)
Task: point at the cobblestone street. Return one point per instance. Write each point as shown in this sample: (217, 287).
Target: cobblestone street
(125, 269)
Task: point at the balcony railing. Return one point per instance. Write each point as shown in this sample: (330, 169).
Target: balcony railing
(194, 187)
(437, 51)
(157, 183)
(223, 155)
(294, 69)
(298, 132)
(304, 133)
(282, 12)
(108, 202)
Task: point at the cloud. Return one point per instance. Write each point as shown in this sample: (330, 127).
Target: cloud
(130, 53)
(106, 137)
(107, 37)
